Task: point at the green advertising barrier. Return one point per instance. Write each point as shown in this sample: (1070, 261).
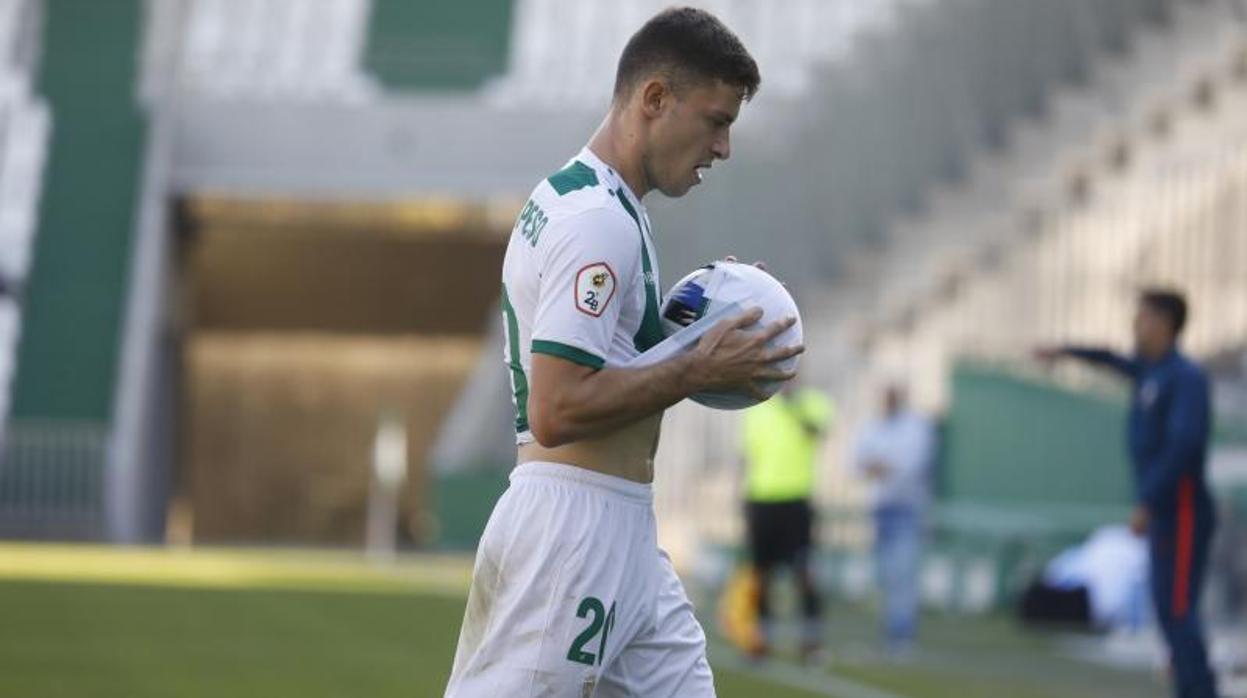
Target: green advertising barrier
(462, 502)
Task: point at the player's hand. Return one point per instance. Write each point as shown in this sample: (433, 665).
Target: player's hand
(1138, 520)
(759, 263)
(733, 355)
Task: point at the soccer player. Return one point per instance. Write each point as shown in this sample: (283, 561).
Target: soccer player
(1168, 432)
(571, 595)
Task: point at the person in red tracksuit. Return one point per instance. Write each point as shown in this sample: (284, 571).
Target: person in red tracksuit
(1169, 428)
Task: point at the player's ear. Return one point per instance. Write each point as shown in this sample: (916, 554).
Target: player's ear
(655, 94)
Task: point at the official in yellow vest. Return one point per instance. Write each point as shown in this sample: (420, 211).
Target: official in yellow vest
(781, 442)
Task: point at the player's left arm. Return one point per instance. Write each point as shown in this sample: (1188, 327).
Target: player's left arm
(1186, 433)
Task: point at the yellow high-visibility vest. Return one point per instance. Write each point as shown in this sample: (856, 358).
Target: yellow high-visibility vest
(781, 438)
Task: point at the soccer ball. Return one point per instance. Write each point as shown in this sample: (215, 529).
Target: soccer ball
(733, 288)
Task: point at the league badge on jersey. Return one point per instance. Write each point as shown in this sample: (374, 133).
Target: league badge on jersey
(595, 286)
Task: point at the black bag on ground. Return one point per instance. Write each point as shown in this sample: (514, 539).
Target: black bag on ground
(1045, 604)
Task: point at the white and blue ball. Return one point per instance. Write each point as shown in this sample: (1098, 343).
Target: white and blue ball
(719, 285)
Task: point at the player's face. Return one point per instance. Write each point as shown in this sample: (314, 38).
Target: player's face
(690, 135)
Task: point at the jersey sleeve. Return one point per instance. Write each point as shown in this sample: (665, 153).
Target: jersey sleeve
(587, 262)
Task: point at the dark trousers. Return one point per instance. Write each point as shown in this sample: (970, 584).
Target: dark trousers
(781, 533)
(1179, 557)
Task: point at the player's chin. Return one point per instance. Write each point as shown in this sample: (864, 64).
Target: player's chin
(677, 189)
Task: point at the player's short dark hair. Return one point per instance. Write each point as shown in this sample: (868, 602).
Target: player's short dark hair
(687, 45)
(1167, 302)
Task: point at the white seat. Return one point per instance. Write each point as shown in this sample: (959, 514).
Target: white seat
(275, 49)
(564, 53)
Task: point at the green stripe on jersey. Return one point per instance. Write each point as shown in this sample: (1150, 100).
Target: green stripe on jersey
(564, 351)
(519, 381)
(575, 176)
(650, 331)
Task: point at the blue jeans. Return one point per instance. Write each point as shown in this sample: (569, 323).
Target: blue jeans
(898, 553)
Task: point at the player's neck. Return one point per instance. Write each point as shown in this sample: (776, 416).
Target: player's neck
(616, 145)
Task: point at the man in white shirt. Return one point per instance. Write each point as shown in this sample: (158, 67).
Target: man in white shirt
(571, 595)
(894, 452)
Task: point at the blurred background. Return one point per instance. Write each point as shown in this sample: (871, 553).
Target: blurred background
(254, 409)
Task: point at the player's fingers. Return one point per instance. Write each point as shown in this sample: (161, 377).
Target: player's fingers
(757, 393)
(732, 324)
(774, 374)
(729, 258)
(774, 329)
(746, 319)
(783, 353)
(761, 265)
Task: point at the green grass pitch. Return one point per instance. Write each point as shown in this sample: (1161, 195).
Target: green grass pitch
(89, 622)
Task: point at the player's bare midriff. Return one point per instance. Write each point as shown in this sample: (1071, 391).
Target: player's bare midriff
(627, 453)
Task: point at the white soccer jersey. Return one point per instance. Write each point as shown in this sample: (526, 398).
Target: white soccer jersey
(580, 278)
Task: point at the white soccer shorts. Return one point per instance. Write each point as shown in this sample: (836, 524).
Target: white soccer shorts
(571, 597)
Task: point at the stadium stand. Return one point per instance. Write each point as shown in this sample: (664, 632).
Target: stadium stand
(289, 50)
(59, 429)
(24, 130)
(25, 125)
(561, 52)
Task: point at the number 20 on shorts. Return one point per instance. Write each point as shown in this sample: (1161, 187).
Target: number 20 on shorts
(602, 622)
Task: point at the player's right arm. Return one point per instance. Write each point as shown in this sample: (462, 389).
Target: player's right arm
(585, 262)
(569, 402)
(1096, 356)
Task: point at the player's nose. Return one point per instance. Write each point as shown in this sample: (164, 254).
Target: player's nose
(722, 147)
